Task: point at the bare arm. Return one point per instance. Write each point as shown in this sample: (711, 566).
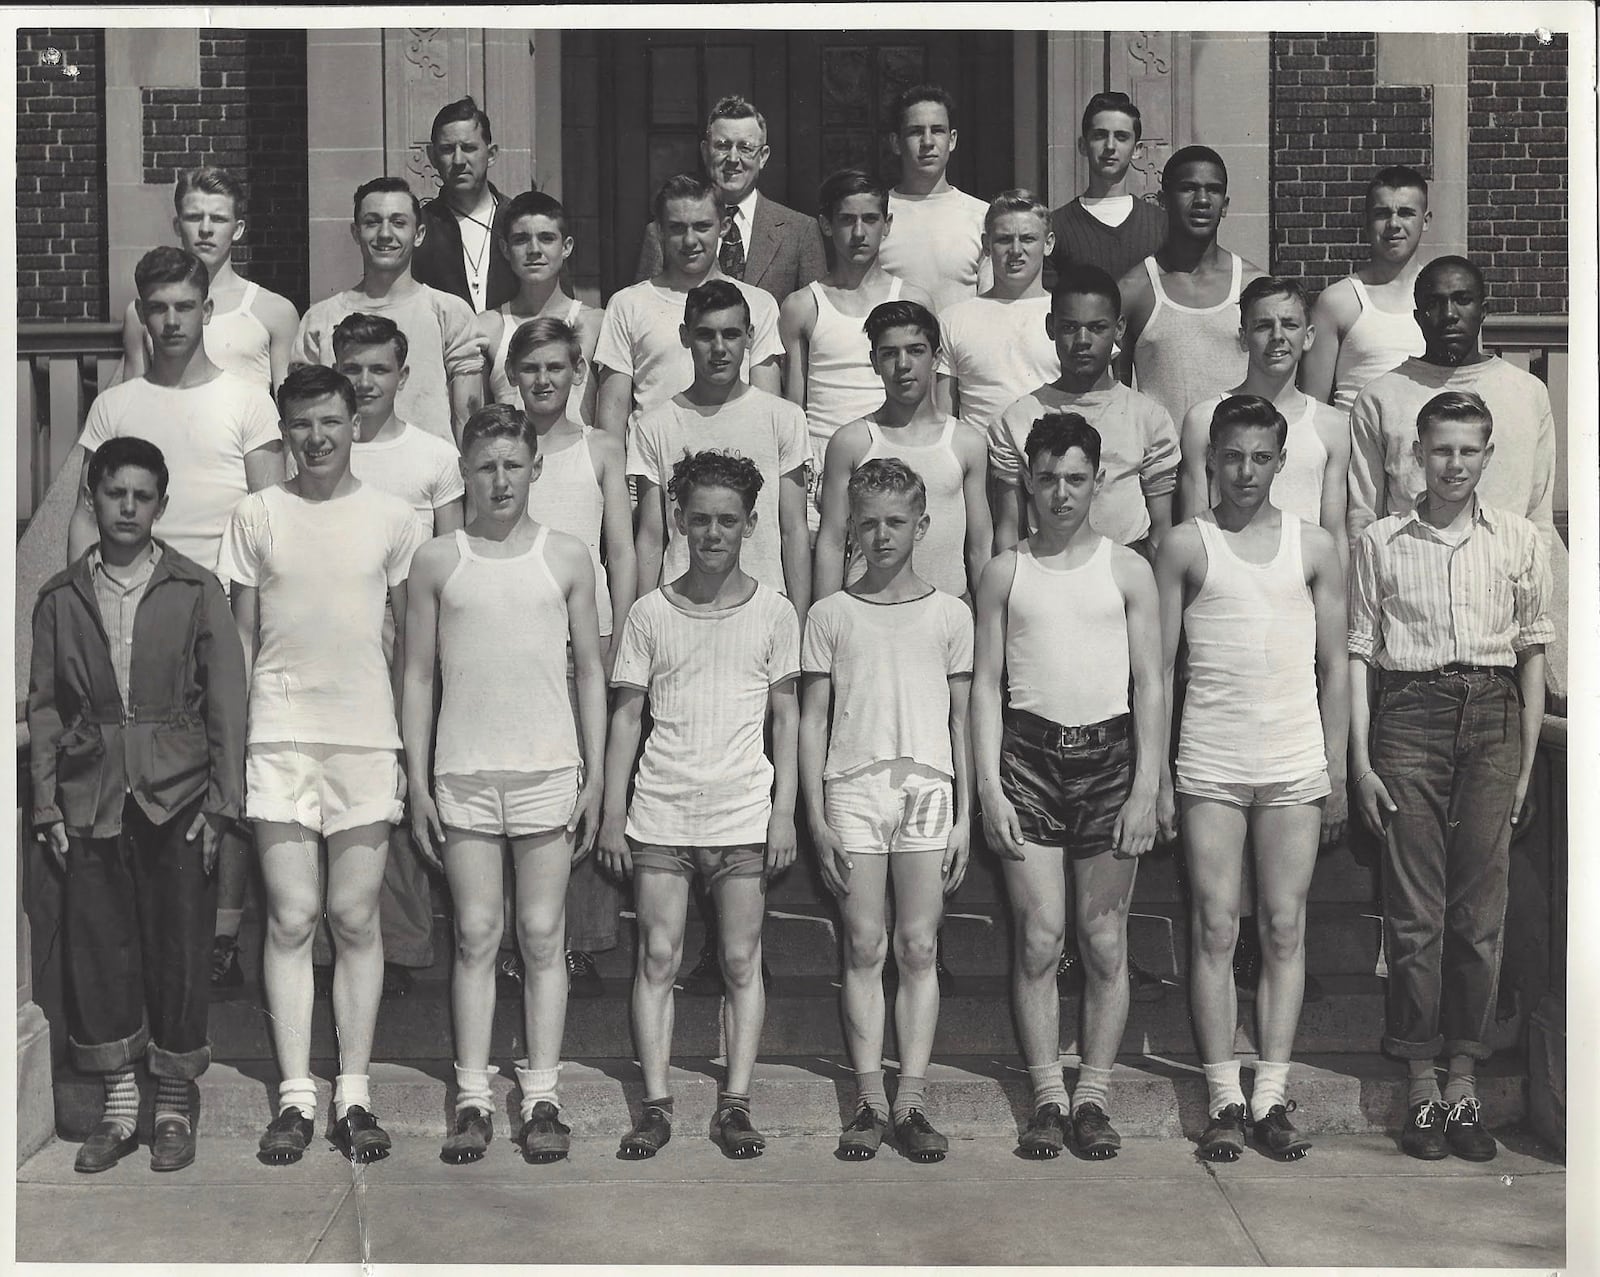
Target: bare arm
(1160, 508)
(264, 466)
(1005, 505)
(784, 708)
(246, 603)
(816, 696)
(1137, 303)
(1178, 554)
(649, 547)
(768, 376)
(958, 847)
(614, 402)
(1530, 679)
(1000, 824)
(827, 568)
(616, 533)
(449, 517)
(1336, 483)
(466, 397)
(134, 357)
(281, 321)
(1137, 822)
(794, 539)
(1194, 485)
(1331, 317)
(397, 664)
(82, 531)
(583, 628)
(589, 321)
(622, 747)
(1333, 668)
(980, 531)
(795, 318)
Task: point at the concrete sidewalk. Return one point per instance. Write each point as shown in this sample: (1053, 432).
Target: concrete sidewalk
(1355, 1201)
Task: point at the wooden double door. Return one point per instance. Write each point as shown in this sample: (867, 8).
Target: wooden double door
(827, 97)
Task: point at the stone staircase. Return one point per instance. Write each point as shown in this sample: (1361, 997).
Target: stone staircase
(804, 1084)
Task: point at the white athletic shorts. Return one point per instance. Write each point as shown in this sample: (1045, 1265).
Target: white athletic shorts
(507, 804)
(890, 807)
(326, 788)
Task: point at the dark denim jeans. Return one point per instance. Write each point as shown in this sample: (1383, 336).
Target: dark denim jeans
(1448, 748)
(140, 914)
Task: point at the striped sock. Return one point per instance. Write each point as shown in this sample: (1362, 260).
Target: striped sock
(172, 1098)
(1222, 1086)
(911, 1093)
(1094, 1087)
(1049, 1085)
(1272, 1081)
(122, 1101)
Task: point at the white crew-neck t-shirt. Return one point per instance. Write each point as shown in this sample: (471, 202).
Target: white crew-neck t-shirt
(420, 468)
(997, 351)
(324, 570)
(204, 433)
(768, 430)
(704, 779)
(936, 243)
(891, 664)
(639, 338)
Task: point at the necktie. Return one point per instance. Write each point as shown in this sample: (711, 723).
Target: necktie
(731, 255)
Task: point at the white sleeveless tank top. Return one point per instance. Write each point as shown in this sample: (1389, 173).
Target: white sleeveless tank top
(502, 652)
(840, 384)
(239, 342)
(1186, 353)
(566, 496)
(500, 388)
(1067, 640)
(1298, 488)
(1250, 714)
(940, 558)
(1378, 342)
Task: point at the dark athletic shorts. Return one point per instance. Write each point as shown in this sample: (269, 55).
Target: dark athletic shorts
(1068, 784)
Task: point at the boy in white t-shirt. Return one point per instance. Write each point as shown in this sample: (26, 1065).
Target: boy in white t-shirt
(892, 785)
(218, 431)
(720, 411)
(496, 606)
(445, 386)
(251, 328)
(997, 345)
(904, 339)
(641, 359)
(938, 243)
(313, 561)
(717, 654)
(531, 234)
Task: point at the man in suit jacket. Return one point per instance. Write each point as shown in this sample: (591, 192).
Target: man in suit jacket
(765, 244)
(457, 254)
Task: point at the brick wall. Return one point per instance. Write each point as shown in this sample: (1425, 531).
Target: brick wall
(61, 204)
(1333, 127)
(248, 116)
(1517, 169)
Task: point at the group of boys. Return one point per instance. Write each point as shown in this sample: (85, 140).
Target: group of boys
(900, 579)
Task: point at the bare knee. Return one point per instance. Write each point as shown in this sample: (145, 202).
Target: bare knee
(659, 957)
(915, 948)
(292, 924)
(543, 940)
(741, 961)
(353, 922)
(1039, 943)
(1104, 950)
(478, 933)
(866, 948)
(1283, 934)
(1216, 931)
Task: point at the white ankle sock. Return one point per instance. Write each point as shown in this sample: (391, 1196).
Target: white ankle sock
(300, 1093)
(348, 1089)
(1094, 1086)
(472, 1089)
(536, 1085)
(1222, 1086)
(1272, 1081)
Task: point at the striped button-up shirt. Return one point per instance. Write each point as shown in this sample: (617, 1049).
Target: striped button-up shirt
(118, 600)
(1419, 600)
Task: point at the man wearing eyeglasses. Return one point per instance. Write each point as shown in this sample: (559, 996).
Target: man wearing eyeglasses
(763, 243)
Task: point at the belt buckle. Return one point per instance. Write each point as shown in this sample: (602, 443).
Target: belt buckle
(1070, 737)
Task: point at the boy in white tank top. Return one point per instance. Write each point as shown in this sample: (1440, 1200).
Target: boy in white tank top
(497, 604)
(1065, 772)
(531, 234)
(1260, 595)
(997, 345)
(322, 754)
(1182, 304)
(949, 456)
(1366, 319)
(251, 329)
(890, 785)
(717, 654)
(581, 489)
(827, 369)
(1275, 335)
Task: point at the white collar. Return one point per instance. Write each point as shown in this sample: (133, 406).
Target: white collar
(747, 207)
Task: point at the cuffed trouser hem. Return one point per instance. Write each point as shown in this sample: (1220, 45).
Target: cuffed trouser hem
(186, 1065)
(109, 1057)
(1412, 1050)
(1473, 1050)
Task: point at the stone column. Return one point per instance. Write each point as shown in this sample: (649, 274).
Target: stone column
(344, 146)
(1441, 61)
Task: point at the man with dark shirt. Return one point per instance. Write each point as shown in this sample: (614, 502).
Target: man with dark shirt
(457, 253)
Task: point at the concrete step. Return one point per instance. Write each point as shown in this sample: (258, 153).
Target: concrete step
(968, 1096)
(802, 1018)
